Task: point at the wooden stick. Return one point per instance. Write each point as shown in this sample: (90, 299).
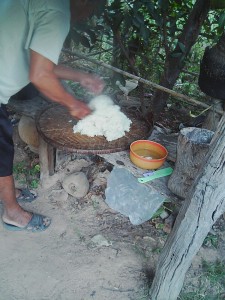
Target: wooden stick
(147, 82)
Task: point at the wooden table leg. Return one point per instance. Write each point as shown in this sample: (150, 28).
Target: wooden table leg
(46, 160)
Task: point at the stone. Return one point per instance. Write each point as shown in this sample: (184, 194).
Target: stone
(100, 241)
(59, 194)
(76, 184)
(101, 179)
(129, 197)
(28, 133)
(164, 215)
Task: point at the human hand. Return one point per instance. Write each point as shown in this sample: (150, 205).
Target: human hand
(92, 83)
(79, 110)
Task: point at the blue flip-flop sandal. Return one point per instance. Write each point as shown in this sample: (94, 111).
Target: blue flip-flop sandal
(37, 223)
(26, 196)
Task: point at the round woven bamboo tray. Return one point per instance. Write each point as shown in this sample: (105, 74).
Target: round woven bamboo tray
(55, 125)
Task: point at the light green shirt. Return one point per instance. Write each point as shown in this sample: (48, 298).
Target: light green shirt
(40, 25)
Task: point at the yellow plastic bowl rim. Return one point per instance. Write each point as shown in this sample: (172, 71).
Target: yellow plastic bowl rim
(149, 142)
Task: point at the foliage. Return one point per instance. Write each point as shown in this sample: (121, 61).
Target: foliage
(153, 27)
(27, 174)
(87, 32)
(138, 35)
(215, 272)
(211, 283)
(211, 240)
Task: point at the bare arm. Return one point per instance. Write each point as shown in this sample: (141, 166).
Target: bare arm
(45, 75)
(89, 81)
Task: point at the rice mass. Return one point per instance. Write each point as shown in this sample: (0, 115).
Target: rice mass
(105, 120)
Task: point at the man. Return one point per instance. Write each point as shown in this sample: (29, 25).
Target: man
(31, 37)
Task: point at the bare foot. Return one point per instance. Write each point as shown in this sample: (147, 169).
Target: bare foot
(18, 192)
(17, 217)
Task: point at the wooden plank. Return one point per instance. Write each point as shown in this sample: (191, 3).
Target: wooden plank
(51, 159)
(46, 160)
(122, 160)
(43, 160)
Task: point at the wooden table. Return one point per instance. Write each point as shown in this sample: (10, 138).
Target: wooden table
(55, 127)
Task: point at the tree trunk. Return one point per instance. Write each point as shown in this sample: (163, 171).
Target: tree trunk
(175, 61)
(192, 147)
(202, 207)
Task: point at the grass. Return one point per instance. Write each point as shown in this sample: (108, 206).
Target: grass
(215, 272)
(211, 240)
(195, 296)
(26, 174)
(211, 285)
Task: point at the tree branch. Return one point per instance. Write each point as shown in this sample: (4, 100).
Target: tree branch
(146, 82)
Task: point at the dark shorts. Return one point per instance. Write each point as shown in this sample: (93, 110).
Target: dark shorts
(6, 144)
(6, 131)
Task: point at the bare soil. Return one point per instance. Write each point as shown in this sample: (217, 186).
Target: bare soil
(67, 262)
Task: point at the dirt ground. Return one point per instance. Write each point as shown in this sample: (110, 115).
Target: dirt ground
(89, 251)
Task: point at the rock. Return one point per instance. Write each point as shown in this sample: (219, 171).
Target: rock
(59, 194)
(129, 197)
(101, 179)
(72, 162)
(99, 241)
(28, 133)
(167, 228)
(97, 198)
(169, 222)
(76, 184)
(76, 165)
(164, 215)
(150, 241)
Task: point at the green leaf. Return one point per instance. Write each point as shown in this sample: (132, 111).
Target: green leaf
(182, 47)
(139, 18)
(145, 33)
(136, 22)
(34, 184)
(176, 54)
(222, 20)
(153, 12)
(158, 212)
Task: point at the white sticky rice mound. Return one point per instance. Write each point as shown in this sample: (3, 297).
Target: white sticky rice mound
(106, 120)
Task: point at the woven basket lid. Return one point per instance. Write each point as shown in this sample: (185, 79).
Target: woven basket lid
(55, 125)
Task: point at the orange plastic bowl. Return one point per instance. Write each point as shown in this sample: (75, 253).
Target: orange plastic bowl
(146, 154)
